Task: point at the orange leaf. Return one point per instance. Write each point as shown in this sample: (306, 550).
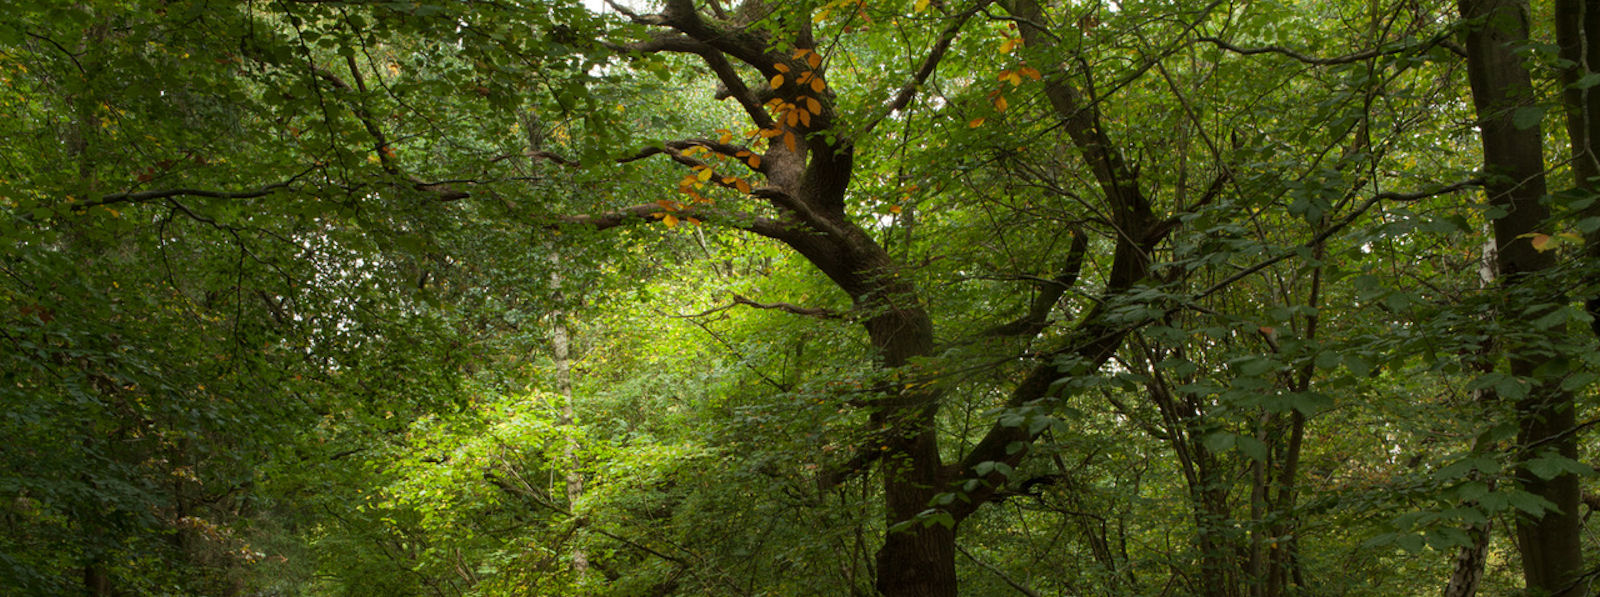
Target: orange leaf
(754, 161)
(669, 220)
(976, 122)
(782, 68)
(744, 187)
(801, 53)
(813, 60)
(777, 81)
(1000, 103)
(788, 140)
(1541, 242)
(665, 204)
(692, 221)
(1009, 44)
(894, 209)
(1030, 72)
(817, 85)
(792, 117)
(813, 105)
(805, 117)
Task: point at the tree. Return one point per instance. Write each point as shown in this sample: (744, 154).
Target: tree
(929, 271)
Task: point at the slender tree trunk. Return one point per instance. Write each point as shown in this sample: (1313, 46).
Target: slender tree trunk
(1469, 563)
(560, 344)
(1552, 556)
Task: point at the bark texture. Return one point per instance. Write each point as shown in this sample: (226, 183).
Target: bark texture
(1552, 556)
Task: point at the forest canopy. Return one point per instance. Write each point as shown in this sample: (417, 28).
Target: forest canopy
(801, 297)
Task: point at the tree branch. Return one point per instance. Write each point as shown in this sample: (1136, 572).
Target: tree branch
(733, 84)
(1038, 314)
(788, 308)
(1441, 39)
(930, 63)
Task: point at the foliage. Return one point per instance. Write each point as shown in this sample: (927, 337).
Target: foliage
(283, 285)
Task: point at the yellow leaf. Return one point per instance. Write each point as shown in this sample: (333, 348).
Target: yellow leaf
(725, 138)
(801, 53)
(777, 81)
(667, 205)
(1011, 76)
(976, 122)
(669, 220)
(705, 175)
(817, 85)
(1030, 72)
(894, 209)
(813, 60)
(920, 6)
(1000, 103)
(805, 76)
(1009, 44)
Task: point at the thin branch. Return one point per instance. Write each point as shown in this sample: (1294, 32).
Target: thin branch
(930, 63)
(1441, 39)
(1021, 588)
(1331, 229)
(1050, 293)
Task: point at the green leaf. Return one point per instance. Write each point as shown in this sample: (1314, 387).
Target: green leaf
(1527, 117)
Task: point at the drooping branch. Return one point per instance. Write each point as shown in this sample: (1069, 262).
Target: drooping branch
(733, 85)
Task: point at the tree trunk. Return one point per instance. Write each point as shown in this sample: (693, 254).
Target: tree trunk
(1552, 556)
(1578, 34)
(1469, 564)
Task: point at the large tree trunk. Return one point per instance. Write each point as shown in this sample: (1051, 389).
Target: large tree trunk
(1578, 34)
(1552, 557)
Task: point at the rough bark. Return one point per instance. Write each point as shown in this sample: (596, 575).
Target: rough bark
(1552, 556)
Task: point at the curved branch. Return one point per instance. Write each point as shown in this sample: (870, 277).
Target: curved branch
(733, 84)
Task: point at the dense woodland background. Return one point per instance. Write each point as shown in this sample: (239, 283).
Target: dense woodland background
(922, 297)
